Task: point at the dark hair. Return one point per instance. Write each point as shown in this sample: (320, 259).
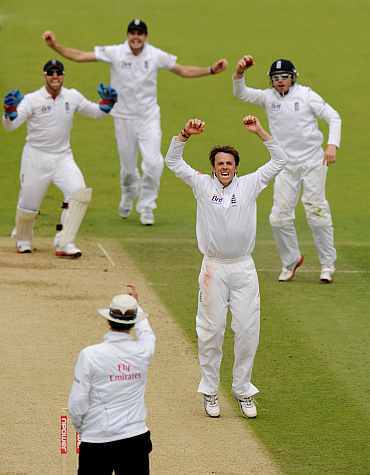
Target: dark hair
(224, 149)
(120, 326)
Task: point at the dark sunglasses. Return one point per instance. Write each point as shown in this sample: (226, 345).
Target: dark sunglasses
(51, 72)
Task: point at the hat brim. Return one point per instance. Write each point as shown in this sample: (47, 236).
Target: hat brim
(104, 312)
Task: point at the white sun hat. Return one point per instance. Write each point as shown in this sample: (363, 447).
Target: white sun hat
(119, 306)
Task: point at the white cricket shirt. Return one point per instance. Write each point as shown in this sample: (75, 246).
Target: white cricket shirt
(49, 121)
(293, 119)
(135, 77)
(226, 217)
(106, 401)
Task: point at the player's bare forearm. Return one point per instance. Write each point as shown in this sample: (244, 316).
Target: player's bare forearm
(192, 127)
(68, 53)
(199, 71)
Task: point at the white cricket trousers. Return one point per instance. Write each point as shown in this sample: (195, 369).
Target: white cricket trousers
(39, 169)
(223, 285)
(287, 188)
(144, 135)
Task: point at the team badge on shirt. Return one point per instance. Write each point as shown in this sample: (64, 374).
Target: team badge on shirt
(233, 200)
(146, 64)
(67, 106)
(296, 106)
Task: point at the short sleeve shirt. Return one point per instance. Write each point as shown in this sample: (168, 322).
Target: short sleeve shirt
(135, 77)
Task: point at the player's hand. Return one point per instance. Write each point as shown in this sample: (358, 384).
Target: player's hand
(219, 66)
(11, 102)
(330, 154)
(108, 96)
(131, 290)
(251, 123)
(243, 64)
(49, 38)
(194, 127)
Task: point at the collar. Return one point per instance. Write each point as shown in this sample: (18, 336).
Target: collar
(44, 92)
(117, 336)
(221, 187)
(128, 50)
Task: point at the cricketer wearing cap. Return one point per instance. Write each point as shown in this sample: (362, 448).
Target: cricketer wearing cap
(226, 233)
(293, 112)
(134, 69)
(47, 155)
(106, 401)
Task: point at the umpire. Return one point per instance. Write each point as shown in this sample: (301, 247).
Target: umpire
(106, 403)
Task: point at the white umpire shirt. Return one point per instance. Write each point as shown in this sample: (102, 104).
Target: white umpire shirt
(49, 121)
(135, 78)
(106, 402)
(226, 217)
(293, 119)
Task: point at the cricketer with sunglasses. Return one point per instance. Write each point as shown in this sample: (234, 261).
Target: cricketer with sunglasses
(47, 156)
(293, 112)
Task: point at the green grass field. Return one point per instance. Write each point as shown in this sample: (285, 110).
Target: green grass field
(313, 362)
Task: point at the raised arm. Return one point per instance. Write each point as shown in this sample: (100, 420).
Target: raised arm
(242, 65)
(240, 90)
(69, 53)
(197, 71)
(174, 159)
(278, 157)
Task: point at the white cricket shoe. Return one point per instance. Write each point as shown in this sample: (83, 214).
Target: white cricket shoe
(287, 273)
(24, 247)
(211, 405)
(147, 217)
(247, 406)
(125, 207)
(69, 250)
(326, 275)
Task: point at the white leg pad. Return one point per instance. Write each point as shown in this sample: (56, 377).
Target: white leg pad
(77, 206)
(24, 220)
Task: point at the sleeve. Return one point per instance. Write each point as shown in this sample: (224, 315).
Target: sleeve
(176, 163)
(268, 171)
(145, 334)
(248, 94)
(79, 397)
(24, 111)
(323, 110)
(165, 60)
(105, 53)
(88, 108)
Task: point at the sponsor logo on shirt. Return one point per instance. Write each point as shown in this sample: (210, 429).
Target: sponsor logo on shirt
(126, 65)
(217, 199)
(125, 373)
(45, 108)
(275, 107)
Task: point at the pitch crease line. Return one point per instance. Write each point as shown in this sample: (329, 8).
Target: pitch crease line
(106, 254)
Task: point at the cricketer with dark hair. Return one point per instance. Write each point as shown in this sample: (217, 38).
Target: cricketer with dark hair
(226, 233)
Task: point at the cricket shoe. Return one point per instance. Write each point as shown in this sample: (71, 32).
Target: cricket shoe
(211, 405)
(69, 251)
(287, 273)
(125, 207)
(147, 217)
(24, 247)
(326, 275)
(247, 406)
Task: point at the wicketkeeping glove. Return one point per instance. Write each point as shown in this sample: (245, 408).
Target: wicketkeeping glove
(11, 102)
(108, 97)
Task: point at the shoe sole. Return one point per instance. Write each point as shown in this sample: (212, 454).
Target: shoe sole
(209, 415)
(326, 281)
(299, 264)
(68, 256)
(27, 251)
